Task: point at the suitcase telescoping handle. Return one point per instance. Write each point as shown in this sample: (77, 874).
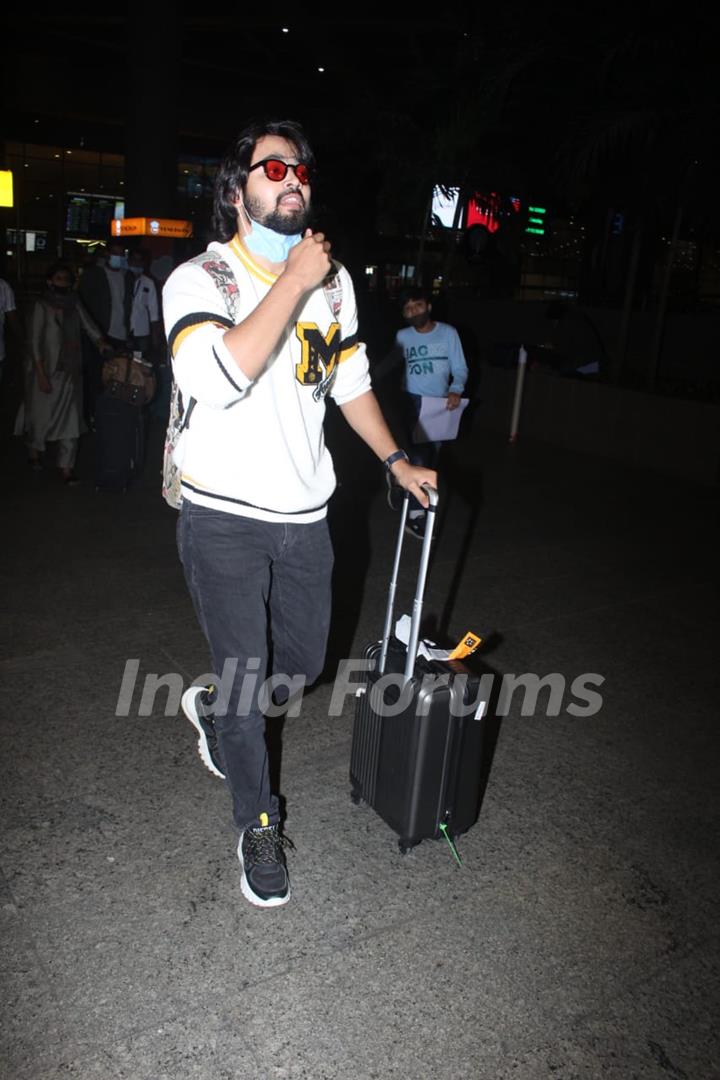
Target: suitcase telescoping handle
(420, 589)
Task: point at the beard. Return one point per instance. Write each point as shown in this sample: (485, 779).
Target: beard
(287, 223)
(418, 321)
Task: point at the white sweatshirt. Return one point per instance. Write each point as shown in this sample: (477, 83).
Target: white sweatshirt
(257, 448)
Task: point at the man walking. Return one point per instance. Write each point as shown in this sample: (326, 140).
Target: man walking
(256, 475)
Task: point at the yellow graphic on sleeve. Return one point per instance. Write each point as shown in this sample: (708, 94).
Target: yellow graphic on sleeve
(320, 352)
(468, 645)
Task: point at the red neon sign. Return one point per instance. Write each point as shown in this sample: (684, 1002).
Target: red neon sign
(484, 210)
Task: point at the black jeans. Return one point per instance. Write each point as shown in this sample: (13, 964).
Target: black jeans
(261, 592)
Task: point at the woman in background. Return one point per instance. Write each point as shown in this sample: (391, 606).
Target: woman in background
(53, 405)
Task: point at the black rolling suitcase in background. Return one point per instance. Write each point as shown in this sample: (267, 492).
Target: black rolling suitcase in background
(129, 383)
(119, 442)
(421, 769)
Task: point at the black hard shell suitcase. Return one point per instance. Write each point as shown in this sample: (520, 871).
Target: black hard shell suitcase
(419, 772)
(119, 442)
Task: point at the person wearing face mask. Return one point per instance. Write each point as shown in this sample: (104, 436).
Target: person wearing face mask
(52, 412)
(144, 314)
(434, 366)
(256, 474)
(107, 293)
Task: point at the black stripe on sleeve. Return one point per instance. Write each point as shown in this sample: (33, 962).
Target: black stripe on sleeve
(348, 342)
(227, 374)
(193, 320)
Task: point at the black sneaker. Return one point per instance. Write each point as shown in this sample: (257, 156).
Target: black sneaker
(264, 879)
(416, 526)
(192, 705)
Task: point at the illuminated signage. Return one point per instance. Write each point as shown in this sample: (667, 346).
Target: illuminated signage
(6, 188)
(88, 214)
(536, 220)
(30, 239)
(484, 210)
(444, 205)
(146, 226)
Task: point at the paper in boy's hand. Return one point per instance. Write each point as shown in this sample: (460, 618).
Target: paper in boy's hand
(437, 423)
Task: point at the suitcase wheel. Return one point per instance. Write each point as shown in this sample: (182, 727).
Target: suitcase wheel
(356, 797)
(404, 846)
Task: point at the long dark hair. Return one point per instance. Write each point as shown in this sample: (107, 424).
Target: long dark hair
(233, 172)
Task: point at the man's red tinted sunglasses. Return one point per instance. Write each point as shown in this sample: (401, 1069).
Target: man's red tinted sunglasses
(276, 170)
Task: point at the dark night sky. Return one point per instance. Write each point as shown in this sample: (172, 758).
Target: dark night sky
(555, 98)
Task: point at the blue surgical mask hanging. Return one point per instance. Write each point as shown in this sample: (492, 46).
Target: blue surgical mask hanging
(269, 244)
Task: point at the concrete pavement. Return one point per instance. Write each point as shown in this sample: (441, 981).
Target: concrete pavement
(579, 938)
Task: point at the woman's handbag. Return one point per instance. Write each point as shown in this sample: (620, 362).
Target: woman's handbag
(129, 378)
